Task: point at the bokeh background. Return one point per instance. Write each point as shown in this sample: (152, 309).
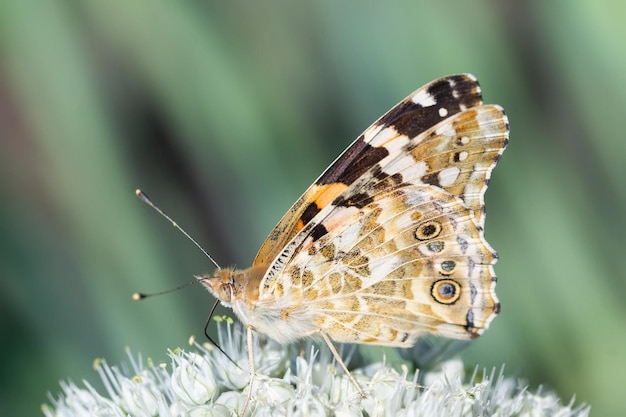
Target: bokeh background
(224, 112)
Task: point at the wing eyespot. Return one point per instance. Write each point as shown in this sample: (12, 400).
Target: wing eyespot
(428, 230)
(448, 266)
(436, 246)
(446, 291)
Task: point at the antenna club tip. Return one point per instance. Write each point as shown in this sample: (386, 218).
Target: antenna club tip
(138, 296)
(138, 192)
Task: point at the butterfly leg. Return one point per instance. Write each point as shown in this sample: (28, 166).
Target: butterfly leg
(252, 368)
(335, 353)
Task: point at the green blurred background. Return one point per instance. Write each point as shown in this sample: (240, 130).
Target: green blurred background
(224, 112)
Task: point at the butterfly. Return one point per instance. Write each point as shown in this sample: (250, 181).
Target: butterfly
(388, 243)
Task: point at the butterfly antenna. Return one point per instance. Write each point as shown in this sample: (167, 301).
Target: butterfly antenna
(141, 296)
(149, 202)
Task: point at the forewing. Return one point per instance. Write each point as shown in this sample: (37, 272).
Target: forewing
(419, 112)
(457, 155)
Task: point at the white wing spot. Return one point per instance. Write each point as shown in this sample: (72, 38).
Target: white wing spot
(423, 98)
(384, 136)
(443, 112)
(384, 266)
(448, 176)
(464, 140)
(408, 168)
(463, 156)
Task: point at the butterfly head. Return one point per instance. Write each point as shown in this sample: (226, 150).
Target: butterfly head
(221, 284)
(230, 285)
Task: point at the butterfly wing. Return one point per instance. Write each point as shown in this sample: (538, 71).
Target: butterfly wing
(420, 111)
(411, 261)
(457, 156)
(401, 250)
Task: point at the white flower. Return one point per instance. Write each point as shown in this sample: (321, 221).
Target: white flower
(203, 382)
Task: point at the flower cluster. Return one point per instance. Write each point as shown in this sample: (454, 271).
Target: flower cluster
(204, 382)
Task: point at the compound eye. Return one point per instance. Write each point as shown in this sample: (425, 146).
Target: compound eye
(225, 293)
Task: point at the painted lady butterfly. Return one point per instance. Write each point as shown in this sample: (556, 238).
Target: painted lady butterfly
(388, 243)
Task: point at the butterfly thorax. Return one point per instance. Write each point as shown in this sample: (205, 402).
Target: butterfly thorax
(275, 317)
